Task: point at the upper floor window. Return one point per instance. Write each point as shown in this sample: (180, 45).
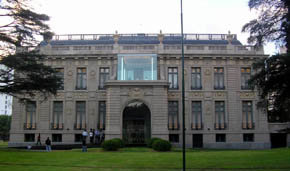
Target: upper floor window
(57, 117)
(173, 123)
(220, 115)
(81, 79)
(196, 115)
(30, 115)
(196, 78)
(104, 76)
(173, 77)
(248, 118)
(137, 67)
(219, 78)
(60, 74)
(245, 77)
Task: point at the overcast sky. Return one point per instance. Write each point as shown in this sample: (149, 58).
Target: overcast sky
(147, 16)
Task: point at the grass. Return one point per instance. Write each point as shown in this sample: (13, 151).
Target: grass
(144, 159)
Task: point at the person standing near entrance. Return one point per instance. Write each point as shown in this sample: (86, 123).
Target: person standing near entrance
(97, 136)
(84, 146)
(91, 134)
(38, 140)
(85, 135)
(48, 144)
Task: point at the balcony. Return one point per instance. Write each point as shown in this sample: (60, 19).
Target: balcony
(248, 125)
(197, 126)
(173, 126)
(56, 126)
(80, 126)
(220, 126)
(29, 126)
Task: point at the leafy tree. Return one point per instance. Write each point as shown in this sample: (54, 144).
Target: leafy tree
(24, 72)
(5, 122)
(272, 76)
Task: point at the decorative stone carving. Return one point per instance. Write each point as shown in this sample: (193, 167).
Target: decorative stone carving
(70, 73)
(173, 95)
(207, 72)
(247, 95)
(80, 95)
(92, 73)
(220, 94)
(136, 93)
(197, 94)
(60, 95)
(207, 108)
(68, 111)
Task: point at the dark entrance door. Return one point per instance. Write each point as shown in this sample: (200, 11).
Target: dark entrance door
(197, 141)
(136, 124)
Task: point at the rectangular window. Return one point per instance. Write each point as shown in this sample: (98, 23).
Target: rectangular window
(245, 77)
(220, 137)
(81, 79)
(219, 78)
(56, 137)
(78, 137)
(80, 115)
(196, 78)
(220, 115)
(174, 138)
(196, 110)
(30, 115)
(57, 117)
(29, 137)
(173, 123)
(104, 76)
(60, 74)
(248, 137)
(102, 115)
(173, 77)
(248, 118)
(137, 67)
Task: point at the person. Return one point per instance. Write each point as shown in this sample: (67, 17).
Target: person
(85, 134)
(84, 146)
(48, 144)
(102, 136)
(38, 140)
(91, 134)
(97, 136)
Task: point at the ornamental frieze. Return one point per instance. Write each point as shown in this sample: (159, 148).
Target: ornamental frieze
(80, 95)
(59, 95)
(136, 93)
(173, 95)
(219, 94)
(197, 95)
(246, 95)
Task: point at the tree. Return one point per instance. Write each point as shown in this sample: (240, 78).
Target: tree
(5, 122)
(24, 72)
(272, 76)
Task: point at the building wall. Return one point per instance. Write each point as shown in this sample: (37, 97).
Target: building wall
(154, 94)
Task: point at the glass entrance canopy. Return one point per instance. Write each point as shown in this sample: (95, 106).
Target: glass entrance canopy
(137, 67)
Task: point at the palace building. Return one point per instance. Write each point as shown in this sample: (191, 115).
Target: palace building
(129, 86)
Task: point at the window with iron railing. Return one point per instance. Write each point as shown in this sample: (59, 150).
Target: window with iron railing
(196, 123)
(102, 115)
(30, 115)
(220, 115)
(219, 78)
(173, 122)
(57, 117)
(248, 118)
(81, 79)
(80, 115)
(173, 77)
(196, 78)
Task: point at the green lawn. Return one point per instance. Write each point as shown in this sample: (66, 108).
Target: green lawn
(144, 159)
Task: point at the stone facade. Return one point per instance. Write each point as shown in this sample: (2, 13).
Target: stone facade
(92, 53)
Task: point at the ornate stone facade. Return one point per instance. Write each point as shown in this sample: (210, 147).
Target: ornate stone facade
(93, 53)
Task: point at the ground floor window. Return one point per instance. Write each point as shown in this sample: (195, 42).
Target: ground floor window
(174, 138)
(29, 137)
(220, 138)
(248, 137)
(56, 137)
(78, 137)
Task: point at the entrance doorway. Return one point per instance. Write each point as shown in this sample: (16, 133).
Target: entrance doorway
(136, 123)
(197, 141)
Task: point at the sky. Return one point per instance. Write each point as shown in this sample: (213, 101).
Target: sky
(148, 16)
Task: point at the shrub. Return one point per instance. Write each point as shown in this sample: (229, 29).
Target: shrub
(151, 141)
(161, 145)
(113, 144)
